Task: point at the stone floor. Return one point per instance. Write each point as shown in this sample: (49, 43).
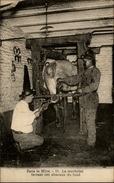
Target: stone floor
(66, 149)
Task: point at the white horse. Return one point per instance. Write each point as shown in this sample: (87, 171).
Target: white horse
(54, 69)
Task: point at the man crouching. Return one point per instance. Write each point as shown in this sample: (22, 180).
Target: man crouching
(23, 121)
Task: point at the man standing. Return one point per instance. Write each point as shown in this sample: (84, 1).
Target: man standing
(23, 122)
(89, 82)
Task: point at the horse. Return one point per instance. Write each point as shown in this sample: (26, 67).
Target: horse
(52, 70)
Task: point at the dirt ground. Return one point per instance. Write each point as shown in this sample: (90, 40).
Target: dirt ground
(66, 149)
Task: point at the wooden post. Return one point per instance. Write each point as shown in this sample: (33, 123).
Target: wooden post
(36, 58)
(81, 52)
(82, 49)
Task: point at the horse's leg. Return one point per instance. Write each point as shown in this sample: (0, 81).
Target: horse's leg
(74, 107)
(64, 114)
(61, 112)
(58, 119)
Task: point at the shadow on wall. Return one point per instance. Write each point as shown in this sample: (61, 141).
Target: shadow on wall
(5, 124)
(104, 113)
(104, 123)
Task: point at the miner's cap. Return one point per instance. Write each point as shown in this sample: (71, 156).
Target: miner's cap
(89, 57)
(27, 92)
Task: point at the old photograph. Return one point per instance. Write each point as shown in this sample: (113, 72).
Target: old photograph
(56, 90)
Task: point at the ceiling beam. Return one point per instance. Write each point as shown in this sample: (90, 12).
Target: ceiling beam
(89, 29)
(55, 55)
(37, 12)
(62, 40)
(33, 26)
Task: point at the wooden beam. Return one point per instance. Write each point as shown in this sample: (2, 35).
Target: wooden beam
(70, 52)
(39, 20)
(66, 40)
(57, 9)
(54, 33)
(70, 32)
(55, 55)
(89, 24)
(36, 58)
(81, 50)
(36, 63)
(102, 39)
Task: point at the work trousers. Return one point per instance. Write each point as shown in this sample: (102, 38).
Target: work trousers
(28, 140)
(90, 125)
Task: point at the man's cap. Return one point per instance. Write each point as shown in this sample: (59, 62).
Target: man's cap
(89, 57)
(27, 92)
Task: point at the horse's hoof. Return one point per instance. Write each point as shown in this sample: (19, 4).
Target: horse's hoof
(73, 117)
(58, 125)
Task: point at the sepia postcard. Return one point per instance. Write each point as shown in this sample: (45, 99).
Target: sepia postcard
(57, 90)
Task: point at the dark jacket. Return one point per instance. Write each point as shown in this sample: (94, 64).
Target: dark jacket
(89, 82)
